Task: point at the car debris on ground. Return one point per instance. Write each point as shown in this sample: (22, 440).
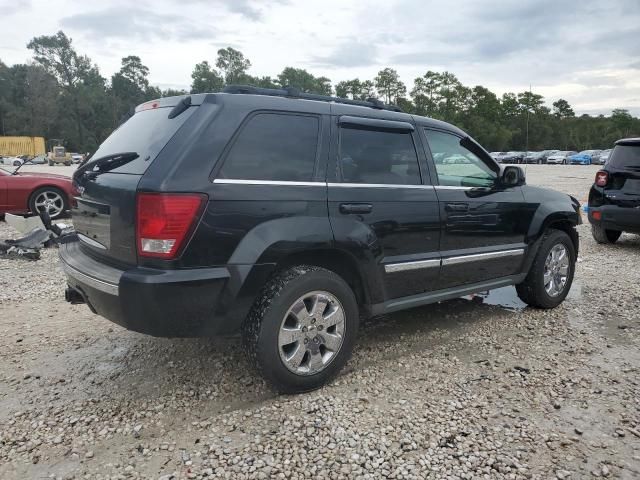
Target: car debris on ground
(38, 232)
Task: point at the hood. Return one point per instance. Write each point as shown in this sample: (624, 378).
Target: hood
(43, 175)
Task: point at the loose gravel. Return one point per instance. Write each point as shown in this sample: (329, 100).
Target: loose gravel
(471, 388)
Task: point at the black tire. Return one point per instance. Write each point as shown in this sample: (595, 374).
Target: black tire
(262, 326)
(34, 195)
(532, 290)
(51, 164)
(602, 235)
(67, 164)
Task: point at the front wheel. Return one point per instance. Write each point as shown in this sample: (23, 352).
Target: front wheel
(602, 235)
(301, 331)
(551, 275)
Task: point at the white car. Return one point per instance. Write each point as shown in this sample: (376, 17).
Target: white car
(13, 161)
(76, 157)
(560, 157)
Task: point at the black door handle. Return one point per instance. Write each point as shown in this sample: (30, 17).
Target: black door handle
(348, 208)
(456, 207)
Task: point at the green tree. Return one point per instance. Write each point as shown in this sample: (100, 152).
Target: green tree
(205, 79)
(55, 53)
(622, 121)
(130, 87)
(355, 89)
(389, 85)
(304, 81)
(424, 93)
(232, 64)
(562, 109)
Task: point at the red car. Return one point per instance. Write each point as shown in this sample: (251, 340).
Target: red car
(24, 192)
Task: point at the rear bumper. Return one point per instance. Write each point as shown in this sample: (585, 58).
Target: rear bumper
(613, 217)
(164, 303)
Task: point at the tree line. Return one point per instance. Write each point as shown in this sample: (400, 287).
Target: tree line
(61, 94)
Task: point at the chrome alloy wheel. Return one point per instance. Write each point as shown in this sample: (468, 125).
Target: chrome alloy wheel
(49, 201)
(556, 270)
(311, 333)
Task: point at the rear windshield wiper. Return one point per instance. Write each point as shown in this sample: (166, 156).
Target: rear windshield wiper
(105, 164)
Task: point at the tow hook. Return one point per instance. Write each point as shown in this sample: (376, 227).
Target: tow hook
(73, 296)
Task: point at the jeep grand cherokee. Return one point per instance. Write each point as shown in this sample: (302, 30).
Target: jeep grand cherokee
(288, 216)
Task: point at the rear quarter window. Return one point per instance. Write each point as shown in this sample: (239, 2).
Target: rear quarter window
(274, 147)
(624, 157)
(146, 133)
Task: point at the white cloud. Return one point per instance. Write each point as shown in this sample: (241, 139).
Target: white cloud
(584, 51)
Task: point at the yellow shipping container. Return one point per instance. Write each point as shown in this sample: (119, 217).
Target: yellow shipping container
(15, 146)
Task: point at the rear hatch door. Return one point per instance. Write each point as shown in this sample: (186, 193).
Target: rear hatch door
(623, 166)
(105, 215)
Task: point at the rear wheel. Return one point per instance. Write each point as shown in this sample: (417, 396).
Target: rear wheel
(301, 331)
(51, 164)
(49, 199)
(602, 235)
(549, 279)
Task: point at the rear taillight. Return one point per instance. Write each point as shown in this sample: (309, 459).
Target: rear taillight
(164, 221)
(602, 178)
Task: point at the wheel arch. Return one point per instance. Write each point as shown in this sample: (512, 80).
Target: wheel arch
(336, 260)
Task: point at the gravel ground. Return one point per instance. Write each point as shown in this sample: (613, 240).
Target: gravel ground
(472, 388)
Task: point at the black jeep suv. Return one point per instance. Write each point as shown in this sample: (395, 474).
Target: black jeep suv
(289, 216)
(614, 198)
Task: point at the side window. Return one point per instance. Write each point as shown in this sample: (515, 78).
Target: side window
(274, 146)
(456, 166)
(375, 156)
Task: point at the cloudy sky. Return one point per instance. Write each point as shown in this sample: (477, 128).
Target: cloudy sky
(586, 51)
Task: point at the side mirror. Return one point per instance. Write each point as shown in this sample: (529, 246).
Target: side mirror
(512, 176)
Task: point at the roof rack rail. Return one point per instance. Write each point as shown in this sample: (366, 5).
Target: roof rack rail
(292, 92)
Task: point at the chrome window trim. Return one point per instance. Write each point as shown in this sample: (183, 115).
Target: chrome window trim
(476, 257)
(233, 181)
(414, 265)
(378, 185)
(106, 287)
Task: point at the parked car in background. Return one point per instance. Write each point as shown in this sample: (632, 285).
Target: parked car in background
(193, 245)
(534, 157)
(30, 192)
(547, 153)
(602, 157)
(560, 158)
(513, 157)
(77, 157)
(39, 159)
(583, 158)
(496, 156)
(12, 161)
(614, 198)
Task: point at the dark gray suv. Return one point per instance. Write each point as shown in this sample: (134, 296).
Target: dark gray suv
(289, 216)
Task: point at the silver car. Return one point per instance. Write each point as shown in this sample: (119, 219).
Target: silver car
(560, 157)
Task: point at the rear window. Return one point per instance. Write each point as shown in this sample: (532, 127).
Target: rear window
(273, 146)
(146, 133)
(625, 156)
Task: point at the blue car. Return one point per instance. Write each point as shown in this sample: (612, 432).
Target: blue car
(585, 157)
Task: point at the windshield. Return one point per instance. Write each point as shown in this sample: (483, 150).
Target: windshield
(146, 132)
